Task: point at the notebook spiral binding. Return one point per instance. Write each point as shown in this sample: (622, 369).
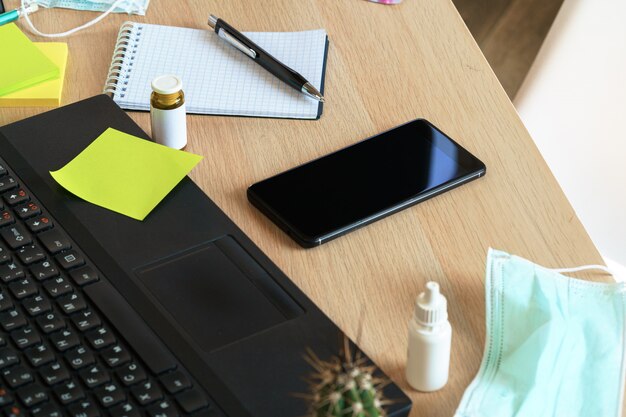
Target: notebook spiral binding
(122, 59)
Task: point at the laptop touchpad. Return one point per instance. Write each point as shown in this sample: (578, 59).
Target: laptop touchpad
(218, 293)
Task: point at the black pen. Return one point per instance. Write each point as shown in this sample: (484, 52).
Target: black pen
(261, 57)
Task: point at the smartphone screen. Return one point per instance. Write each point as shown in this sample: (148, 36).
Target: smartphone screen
(369, 180)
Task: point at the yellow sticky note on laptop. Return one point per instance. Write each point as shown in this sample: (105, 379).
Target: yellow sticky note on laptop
(125, 174)
(23, 65)
(46, 93)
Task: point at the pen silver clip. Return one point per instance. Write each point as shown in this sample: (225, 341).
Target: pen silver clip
(234, 42)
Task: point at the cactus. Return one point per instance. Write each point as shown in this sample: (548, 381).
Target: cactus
(343, 387)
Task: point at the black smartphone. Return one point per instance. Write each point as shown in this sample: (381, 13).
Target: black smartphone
(350, 188)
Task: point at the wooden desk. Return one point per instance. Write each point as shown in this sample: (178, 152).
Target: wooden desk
(386, 65)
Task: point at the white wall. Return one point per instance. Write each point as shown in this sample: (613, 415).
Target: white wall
(573, 103)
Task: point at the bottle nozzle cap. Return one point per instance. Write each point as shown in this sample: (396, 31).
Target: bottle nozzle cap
(431, 307)
(432, 292)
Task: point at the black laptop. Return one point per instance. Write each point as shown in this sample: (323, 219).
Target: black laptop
(103, 315)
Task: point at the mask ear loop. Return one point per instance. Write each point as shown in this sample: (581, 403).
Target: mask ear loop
(71, 31)
(586, 268)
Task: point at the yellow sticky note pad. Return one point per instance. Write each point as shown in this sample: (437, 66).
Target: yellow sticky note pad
(125, 174)
(22, 63)
(46, 93)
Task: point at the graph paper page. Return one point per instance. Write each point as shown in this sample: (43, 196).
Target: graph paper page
(217, 78)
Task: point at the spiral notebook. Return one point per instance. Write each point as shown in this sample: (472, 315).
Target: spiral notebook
(217, 79)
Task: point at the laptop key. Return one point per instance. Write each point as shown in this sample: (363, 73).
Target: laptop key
(94, 376)
(54, 373)
(12, 319)
(47, 410)
(5, 255)
(54, 241)
(175, 382)
(16, 236)
(32, 395)
(125, 410)
(27, 210)
(100, 338)
(7, 183)
(15, 197)
(17, 376)
(72, 303)
(37, 305)
(86, 320)
(44, 270)
(31, 254)
(5, 300)
(80, 357)
(146, 393)
(23, 288)
(110, 394)
(68, 392)
(115, 356)
(64, 339)
(6, 218)
(5, 397)
(192, 400)
(14, 411)
(10, 272)
(8, 357)
(163, 409)
(131, 374)
(39, 224)
(50, 322)
(84, 408)
(84, 275)
(58, 286)
(69, 259)
(39, 355)
(26, 337)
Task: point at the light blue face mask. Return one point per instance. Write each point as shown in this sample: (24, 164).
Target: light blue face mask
(126, 6)
(105, 6)
(554, 348)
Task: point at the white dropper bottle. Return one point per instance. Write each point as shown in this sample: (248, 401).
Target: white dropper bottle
(430, 337)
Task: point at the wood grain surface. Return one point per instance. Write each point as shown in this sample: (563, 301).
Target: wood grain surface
(386, 65)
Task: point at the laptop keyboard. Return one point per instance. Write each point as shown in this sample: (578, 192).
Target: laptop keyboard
(60, 353)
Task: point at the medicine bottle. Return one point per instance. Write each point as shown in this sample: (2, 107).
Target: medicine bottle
(167, 112)
(430, 337)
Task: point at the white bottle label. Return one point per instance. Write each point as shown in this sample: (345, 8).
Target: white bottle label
(428, 361)
(169, 127)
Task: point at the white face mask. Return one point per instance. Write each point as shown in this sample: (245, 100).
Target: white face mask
(105, 6)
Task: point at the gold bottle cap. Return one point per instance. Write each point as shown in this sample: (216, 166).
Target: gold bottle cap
(167, 84)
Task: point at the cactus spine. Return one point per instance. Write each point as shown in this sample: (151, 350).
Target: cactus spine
(343, 387)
